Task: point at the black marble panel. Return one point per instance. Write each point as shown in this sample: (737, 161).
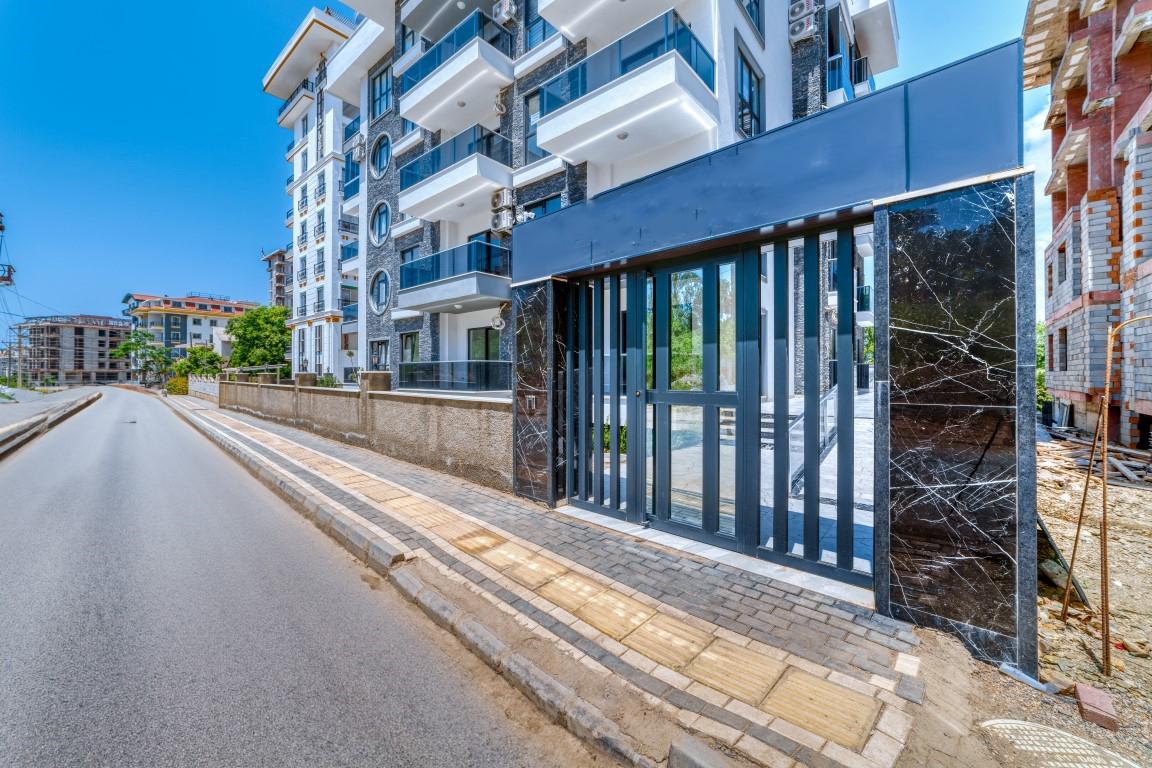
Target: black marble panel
(952, 278)
(535, 374)
(953, 513)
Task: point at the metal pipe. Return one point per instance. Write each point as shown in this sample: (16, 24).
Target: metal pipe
(1080, 519)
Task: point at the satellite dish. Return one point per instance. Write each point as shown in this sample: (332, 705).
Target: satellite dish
(497, 322)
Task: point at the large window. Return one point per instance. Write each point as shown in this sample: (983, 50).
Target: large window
(409, 254)
(483, 344)
(543, 207)
(748, 97)
(409, 347)
(536, 29)
(753, 9)
(378, 355)
(380, 92)
(532, 151)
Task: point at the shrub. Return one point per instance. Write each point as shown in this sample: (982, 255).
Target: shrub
(327, 380)
(177, 385)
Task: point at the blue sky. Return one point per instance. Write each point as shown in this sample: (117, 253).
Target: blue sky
(138, 153)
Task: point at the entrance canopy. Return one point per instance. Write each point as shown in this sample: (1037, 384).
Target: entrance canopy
(960, 122)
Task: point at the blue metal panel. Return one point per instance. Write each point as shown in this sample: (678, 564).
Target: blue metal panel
(957, 122)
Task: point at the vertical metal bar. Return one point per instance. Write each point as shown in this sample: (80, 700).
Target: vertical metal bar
(569, 393)
(782, 306)
(597, 446)
(748, 368)
(637, 429)
(710, 488)
(812, 397)
(614, 389)
(845, 397)
(585, 383)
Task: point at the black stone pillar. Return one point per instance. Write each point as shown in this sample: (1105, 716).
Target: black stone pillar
(956, 373)
(538, 390)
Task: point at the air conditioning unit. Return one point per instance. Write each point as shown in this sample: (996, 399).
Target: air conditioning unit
(801, 8)
(358, 149)
(502, 221)
(504, 11)
(802, 29)
(501, 198)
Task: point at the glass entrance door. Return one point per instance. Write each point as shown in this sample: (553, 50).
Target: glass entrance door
(692, 402)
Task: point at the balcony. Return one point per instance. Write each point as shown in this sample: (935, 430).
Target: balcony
(289, 217)
(455, 84)
(380, 11)
(1073, 150)
(302, 205)
(598, 19)
(319, 32)
(350, 312)
(319, 230)
(348, 227)
(291, 179)
(321, 192)
(351, 187)
(1135, 24)
(648, 90)
(302, 241)
(352, 129)
(349, 65)
(301, 311)
(297, 103)
(302, 274)
(466, 278)
(349, 251)
(457, 375)
(455, 180)
(433, 19)
(317, 306)
(318, 270)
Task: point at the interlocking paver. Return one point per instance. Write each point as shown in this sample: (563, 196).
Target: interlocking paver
(586, 586)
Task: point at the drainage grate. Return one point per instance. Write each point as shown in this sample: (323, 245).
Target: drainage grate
(1053, 748)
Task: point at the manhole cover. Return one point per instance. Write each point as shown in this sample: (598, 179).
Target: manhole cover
(1055, 748)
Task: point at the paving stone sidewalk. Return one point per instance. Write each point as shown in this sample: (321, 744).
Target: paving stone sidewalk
(774, 671)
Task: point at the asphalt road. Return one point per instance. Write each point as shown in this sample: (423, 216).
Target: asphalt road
(160, 607)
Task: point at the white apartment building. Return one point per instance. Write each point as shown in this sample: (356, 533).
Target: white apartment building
(450, 122)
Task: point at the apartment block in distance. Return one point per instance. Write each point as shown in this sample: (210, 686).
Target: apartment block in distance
(1097, 57)
(180, 323)
(279, 263)
(72, 349)
(434, 128)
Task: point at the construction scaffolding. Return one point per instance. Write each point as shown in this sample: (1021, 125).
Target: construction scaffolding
(66, 350)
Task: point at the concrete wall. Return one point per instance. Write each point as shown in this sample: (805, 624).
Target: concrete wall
(468, 437)
(204, 387)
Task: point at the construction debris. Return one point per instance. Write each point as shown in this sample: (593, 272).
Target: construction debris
(1096, 707)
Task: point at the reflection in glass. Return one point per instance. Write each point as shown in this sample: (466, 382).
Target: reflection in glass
(726, 286)
(686, 330)
(686, 446)
(727, 480)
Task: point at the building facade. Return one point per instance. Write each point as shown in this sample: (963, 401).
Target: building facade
(180, 323)
(279, 265)
(460, 121)
(1097, 56)
(62, 350)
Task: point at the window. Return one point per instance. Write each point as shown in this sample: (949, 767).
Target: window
(1063, 348)
(381, 154)
(407, 39)
(536, 29)
(300, 356)
(304, 162)
(378, 355)
(532, 151)
(380, 92)
(748, 97)
(1062, 263)
(381, 223)
(197, 321)
(1051, 361)
(318, 346)
(378, 291)
(483, 344)
(407, 126)
(1049, 279)
(409, 254)
(409, 347)
(304, 126)
(212, 323)
(543, 207)
(753, 9)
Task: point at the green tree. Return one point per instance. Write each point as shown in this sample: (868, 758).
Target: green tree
(201, 361)
(1042, 394)
(870, 345)
(260, 337)
(149, 359)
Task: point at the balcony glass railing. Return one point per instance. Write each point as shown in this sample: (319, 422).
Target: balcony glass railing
(289, 214)
(352, 128)
(472, 141)
(470, 257)
(349, 251)
(305, 86)
(349, 226)
(864, 298)
(477, 25)
(350, 312)
(291, 179)
(459, 375)
(861, 71)
(351, 187)
(634, 50)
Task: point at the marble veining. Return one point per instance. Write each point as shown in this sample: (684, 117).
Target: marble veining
(537, 366)
(952, 464)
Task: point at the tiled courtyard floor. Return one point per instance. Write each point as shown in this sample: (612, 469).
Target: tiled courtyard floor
(776, 672)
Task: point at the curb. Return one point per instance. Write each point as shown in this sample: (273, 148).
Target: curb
(558, 702)
(22, 432)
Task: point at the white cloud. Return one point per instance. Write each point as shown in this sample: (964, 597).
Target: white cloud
(1038, 154)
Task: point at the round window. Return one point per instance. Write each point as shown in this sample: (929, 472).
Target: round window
(378, 292)
(381, 154)
(381, 223)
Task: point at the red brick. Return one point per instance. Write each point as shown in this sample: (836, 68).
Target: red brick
(1096, 707)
